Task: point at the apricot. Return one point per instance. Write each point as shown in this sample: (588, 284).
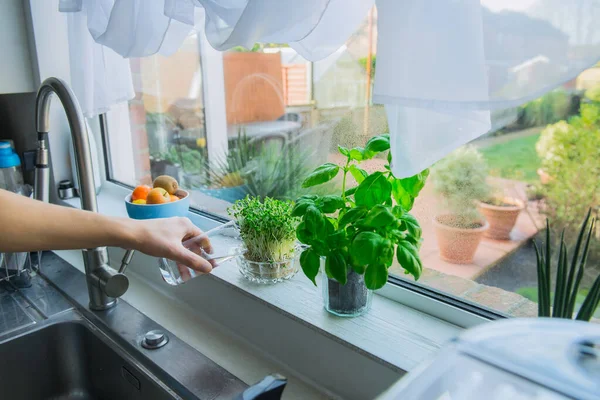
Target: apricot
(140, 193)
(166, 182)
(174, 198)
(139, 201)
(158, 196)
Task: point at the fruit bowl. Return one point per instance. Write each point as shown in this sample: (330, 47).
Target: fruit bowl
(177, 208)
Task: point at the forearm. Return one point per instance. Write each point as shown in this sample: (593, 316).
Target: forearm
(30, 225)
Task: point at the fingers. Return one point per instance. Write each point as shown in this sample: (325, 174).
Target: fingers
(194, 261)
(201, 241)
(184, 272)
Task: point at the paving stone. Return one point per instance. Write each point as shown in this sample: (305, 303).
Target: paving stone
(526, 309)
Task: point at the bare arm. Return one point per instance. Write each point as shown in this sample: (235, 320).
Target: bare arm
(30, 225)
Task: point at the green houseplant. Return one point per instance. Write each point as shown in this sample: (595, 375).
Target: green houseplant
(357, 232)
(568, 276)
(267, 229)
(460, 179)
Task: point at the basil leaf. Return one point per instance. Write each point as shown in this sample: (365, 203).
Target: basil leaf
(357, 153)
(301, 206)
(304, 234)
(411, 224)
(408, 257)
(331, 203)
(376, 276)
(320, 247)
(375, 189)
(358, 174)
(322, 174)
(343, 151)
(335, 266)
(337, 239)
(402, 197)
(386, 253)
(377, 144)
(364, 248)
(378, 216)
(352, 215)
(351, 191)
(310, 263)
(313, 219)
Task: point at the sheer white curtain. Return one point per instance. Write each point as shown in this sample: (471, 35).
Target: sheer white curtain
(442, 65)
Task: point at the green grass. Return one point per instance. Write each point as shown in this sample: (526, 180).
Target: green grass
(531, 293)
(514, 159)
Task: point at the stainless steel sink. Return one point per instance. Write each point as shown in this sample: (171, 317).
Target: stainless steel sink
(52, 346)
(72, 360)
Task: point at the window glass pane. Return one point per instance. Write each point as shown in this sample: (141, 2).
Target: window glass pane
(258, 121)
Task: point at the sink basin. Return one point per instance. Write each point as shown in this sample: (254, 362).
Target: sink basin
(71, 360)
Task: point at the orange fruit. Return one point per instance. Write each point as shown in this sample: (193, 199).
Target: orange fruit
(140, 193)
(174, 198)
(158, 196)
(139, 201)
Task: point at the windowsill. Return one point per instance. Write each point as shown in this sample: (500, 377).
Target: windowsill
(391, 335)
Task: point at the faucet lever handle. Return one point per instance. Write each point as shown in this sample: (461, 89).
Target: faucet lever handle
(112, 283)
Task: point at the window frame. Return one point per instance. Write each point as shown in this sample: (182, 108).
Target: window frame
(45, 34)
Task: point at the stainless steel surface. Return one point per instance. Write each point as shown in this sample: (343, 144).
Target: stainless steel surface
(53, 346)
(155, 339)
(104, 285)
(66, 190)
(126, 260)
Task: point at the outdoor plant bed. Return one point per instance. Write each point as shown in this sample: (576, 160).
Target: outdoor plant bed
(502, 216)
(354, 237)
(347, 300)
(458, 243)
(267, 229)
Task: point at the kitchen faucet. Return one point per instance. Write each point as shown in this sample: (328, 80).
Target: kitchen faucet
(104, 284)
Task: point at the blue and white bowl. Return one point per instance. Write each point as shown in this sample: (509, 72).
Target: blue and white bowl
(177, 208)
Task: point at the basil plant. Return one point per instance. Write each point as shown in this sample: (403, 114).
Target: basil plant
(364, 227)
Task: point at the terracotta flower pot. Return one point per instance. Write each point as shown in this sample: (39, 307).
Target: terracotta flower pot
(502, 219)
(457, 245)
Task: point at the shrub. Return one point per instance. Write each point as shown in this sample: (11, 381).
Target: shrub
(552, 107)
(460, 179)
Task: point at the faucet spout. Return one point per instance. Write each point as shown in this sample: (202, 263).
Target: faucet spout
(104, 284)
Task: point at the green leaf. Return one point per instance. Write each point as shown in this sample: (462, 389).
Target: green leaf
(358, 174)
(343, 150)
(301, 206)
(415, 183)
(408, 257)
(313, 219)
(364, 248)
(386, 253)
(304, 234)
(377, 144)
(337, 239)
(322, 174)
(411, 224)
(329, 204)
(402, 197)
(357, 153)
(320, 247)
(310, 262)
(350, 191)
(591, 302)
(375, 189)
(335, 266)
(376, 276)
(352, 215)
(378, 216)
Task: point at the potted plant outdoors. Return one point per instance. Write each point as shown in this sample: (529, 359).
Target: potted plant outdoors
(355, 235)
(268, 231)
(561, 302)
(501, 212)
(460, 179)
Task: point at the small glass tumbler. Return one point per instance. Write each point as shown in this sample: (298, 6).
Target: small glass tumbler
(267, 272)
(224, 240)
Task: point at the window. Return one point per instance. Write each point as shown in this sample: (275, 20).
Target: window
(257, 121)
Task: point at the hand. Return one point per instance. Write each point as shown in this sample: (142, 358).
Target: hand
(165, 237)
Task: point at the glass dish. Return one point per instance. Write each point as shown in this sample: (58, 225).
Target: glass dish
(267, 272)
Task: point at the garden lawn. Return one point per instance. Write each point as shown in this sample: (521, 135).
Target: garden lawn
(514, 159)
